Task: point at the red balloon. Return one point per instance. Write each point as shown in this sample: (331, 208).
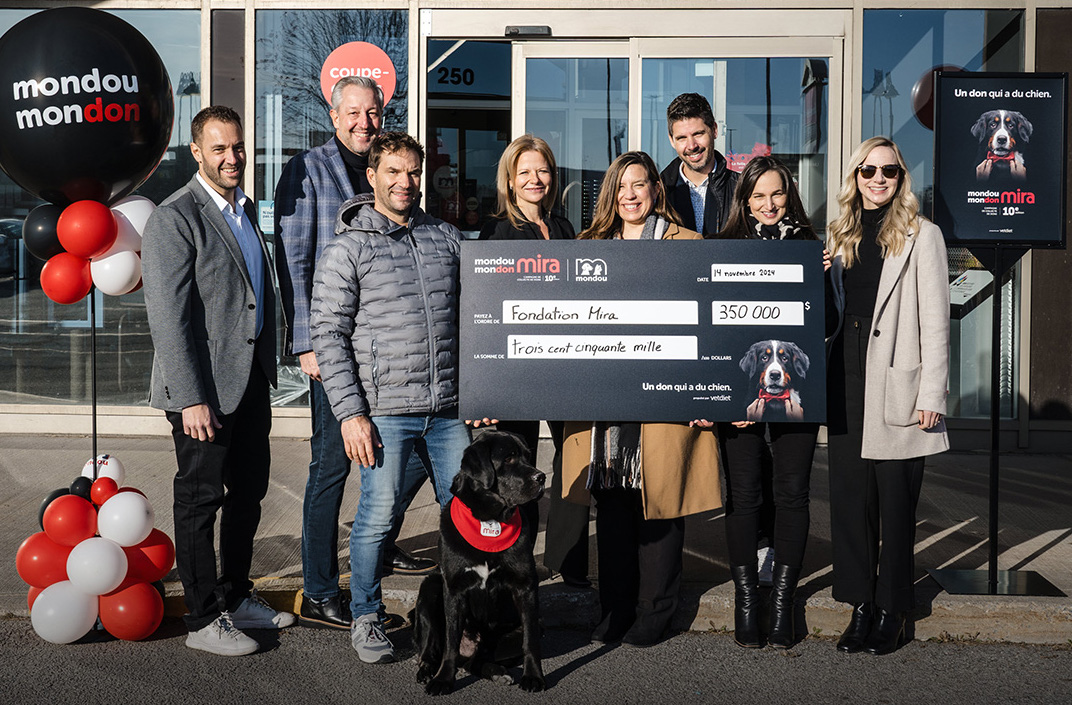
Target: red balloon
(151, 559)
(133, 613)
(32, 595)
(87, 228)
(71, 521)
(40, 561)
(66, 278)
(102, 490)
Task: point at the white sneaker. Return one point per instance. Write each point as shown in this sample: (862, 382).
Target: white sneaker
(221, 638)
(369, 641)
(255, 613)
(765, 561)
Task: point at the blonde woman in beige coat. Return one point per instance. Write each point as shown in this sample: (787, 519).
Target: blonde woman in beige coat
(645, 477)
(888, 301)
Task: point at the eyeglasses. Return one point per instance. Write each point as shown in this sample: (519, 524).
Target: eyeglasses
(890, 171)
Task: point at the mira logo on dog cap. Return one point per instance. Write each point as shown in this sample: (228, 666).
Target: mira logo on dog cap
(491, 529)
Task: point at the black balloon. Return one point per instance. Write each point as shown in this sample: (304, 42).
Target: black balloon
(47, 501)
(39, 231)
(81, 486)
(85, 106)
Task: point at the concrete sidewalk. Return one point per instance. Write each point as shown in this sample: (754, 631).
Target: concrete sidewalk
(1035, 534)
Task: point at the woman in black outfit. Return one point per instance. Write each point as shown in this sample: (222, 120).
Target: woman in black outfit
(767, 206)
(527, 182)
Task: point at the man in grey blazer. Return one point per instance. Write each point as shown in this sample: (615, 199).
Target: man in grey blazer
(313, 186)
(210, 303)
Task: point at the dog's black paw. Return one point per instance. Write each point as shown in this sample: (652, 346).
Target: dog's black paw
(532, 684)
(424, 673)
(439, 687)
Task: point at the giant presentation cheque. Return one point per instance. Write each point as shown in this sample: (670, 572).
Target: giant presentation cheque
(722, 330)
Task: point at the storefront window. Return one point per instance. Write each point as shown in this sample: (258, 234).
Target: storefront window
(292, 112)
(45, 348)
(901, 50)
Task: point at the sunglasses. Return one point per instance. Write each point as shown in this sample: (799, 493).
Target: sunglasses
(890, 171)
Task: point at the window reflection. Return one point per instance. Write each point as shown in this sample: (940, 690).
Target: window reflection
(45, 351)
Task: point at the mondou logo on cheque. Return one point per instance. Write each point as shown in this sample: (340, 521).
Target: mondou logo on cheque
(93, 111)
(589, 270)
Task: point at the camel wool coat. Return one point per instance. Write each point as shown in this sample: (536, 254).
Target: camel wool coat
(908, 352)
(678, 464)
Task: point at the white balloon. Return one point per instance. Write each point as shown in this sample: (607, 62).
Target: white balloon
(126, 518)
(135, 210)
(107, 466)
(62, 613)
(96, 566)
(117, 273)
(126, 237)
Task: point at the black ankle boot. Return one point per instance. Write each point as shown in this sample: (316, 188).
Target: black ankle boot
(853, 638)
(746, 605)
(783, 593)
(887, 635)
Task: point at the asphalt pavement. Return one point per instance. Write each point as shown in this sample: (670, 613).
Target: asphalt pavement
(1035, 535)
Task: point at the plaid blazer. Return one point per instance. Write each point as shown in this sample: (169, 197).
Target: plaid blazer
(312, 188)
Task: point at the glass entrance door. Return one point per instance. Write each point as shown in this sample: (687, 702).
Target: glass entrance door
(594, 100)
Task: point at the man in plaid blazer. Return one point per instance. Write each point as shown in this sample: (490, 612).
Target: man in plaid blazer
(312, 188)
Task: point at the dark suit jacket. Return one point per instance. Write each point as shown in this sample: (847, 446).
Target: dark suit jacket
(201, 305)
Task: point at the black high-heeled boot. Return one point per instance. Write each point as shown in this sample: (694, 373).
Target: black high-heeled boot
(746, 605)
(783, 593)
(887, 635)
(853, 638)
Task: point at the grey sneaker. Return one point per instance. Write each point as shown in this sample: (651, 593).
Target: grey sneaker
(221, 638)
(369, 641)
(255, 613)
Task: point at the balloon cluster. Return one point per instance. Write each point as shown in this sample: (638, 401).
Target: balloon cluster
(88, 243)
(96, 557)
(87, 120)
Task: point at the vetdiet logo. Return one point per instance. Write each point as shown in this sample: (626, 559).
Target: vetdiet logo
(93, 111)
(589, 270)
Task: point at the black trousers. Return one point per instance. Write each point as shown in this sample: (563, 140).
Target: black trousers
(639, 559)
(230, 474)
(792, 447)
(566, 539)
(872, 502)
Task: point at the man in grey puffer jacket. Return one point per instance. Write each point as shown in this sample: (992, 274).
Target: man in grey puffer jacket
(384, 323)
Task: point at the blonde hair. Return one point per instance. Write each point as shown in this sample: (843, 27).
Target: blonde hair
(606, 223)
(507, 172)
(845, 232)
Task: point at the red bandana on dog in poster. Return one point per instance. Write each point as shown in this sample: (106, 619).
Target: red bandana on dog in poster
(767, 396)
(488, 536)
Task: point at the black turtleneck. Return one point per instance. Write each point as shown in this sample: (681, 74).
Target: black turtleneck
(356, 166)
(861, 281)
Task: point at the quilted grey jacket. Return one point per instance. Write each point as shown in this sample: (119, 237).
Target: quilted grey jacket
(384, 315)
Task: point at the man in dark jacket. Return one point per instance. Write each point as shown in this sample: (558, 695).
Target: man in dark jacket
(698, 183)
(384, 324)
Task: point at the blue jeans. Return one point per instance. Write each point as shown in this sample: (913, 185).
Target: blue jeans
(444, 438)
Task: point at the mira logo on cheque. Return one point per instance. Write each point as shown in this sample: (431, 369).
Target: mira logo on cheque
(521, 265)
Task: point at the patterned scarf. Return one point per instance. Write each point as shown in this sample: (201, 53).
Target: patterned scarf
(615, 460)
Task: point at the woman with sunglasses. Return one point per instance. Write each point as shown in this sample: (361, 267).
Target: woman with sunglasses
(888, 304)
(766, 206)
(645, 477)
(527, 182)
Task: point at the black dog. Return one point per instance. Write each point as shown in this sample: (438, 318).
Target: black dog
(772, 365)
(1003, 136)
(487, 580)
